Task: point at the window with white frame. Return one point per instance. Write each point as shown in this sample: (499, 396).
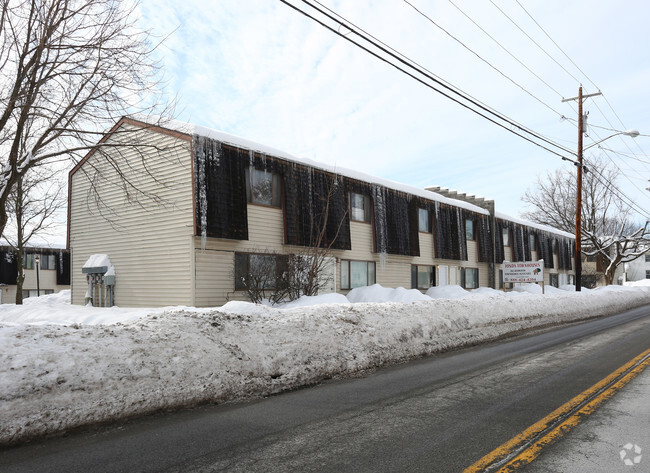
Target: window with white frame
(469, 229)
(357, 274)
(532, 242)
(263, 187)
(359, 207)
(424, 222)
(422, 277)
(506, 237)
(469, 278)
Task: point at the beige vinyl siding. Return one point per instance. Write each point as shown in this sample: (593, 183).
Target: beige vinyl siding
(147, 236)
(47, 281)
(215, 264)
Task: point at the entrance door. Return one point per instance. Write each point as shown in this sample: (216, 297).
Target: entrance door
(443, 275)
(453, 275)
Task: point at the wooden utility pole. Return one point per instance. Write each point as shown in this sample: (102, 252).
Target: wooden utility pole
(578, 251)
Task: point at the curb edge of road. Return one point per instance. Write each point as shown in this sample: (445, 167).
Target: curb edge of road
(527, 445)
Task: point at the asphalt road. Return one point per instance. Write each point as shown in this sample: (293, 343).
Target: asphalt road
(437, 414)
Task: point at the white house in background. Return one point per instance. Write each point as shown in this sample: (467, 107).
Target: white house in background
(634, 270)
(53, 272)
(202, 209)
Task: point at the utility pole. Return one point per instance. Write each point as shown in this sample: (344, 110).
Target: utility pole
(578, 250)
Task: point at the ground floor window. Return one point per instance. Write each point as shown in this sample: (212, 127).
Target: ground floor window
(509, 285)
(422, 277)
(357, 274)
(554, 280)
(34, 292)
(259, 271)
(469, 278)
(647, 274)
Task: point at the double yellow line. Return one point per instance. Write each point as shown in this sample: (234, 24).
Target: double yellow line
(527, 446)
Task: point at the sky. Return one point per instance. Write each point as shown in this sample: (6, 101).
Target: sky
(262, 70)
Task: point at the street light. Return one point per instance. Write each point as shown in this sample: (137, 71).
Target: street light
(579, 165)
(630, 133)
(38, 283)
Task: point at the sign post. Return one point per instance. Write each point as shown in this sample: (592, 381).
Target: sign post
(523, 272)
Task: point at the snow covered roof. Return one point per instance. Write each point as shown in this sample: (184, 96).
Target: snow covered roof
(191, 129)
(96, 263)
(545, 228)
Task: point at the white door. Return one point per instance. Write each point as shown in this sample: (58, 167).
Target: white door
(443, 275)
(453, 275)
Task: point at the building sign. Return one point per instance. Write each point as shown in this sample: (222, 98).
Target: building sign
(530, 271)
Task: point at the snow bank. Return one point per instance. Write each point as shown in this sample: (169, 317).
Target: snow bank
(640, 283)
(55, 377)
(378, 293)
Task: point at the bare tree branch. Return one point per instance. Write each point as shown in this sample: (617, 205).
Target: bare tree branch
(608, 231)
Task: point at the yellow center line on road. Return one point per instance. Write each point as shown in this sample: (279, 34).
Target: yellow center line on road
(548, 430)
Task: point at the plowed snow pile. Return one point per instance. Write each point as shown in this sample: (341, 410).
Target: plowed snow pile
(63, 366)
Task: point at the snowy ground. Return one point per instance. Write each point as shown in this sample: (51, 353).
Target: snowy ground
(63, 366)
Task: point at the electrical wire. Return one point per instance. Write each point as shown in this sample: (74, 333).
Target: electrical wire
(611, 187)
(485, 60)
(505, 49)
(415, 70)
(534, 42)
(583, 73)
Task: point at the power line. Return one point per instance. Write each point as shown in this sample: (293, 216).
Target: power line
(611, 187)
(583, 73)
(424, 76)
(534, 42)
(556, 45)
(504, 48)
(485, 60)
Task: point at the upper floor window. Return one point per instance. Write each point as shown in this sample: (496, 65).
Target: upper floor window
(424, 222)
(359, 207)
(647, 257)
(47, 262)
(469, 229)
(506, 237)
(28, 260)
(263, 187)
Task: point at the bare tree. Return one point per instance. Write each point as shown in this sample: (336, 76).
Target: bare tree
(609, 231)
(302, 273)
(69, 69)
(32, 206)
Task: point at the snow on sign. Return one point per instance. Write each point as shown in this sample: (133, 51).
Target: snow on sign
(531, 271)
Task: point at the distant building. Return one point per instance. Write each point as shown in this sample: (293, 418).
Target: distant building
(635, 270)
(216, 206)
(53, 272)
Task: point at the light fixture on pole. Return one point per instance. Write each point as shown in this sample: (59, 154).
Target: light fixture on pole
(579, 165)
(38, 283)
(630, 133)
